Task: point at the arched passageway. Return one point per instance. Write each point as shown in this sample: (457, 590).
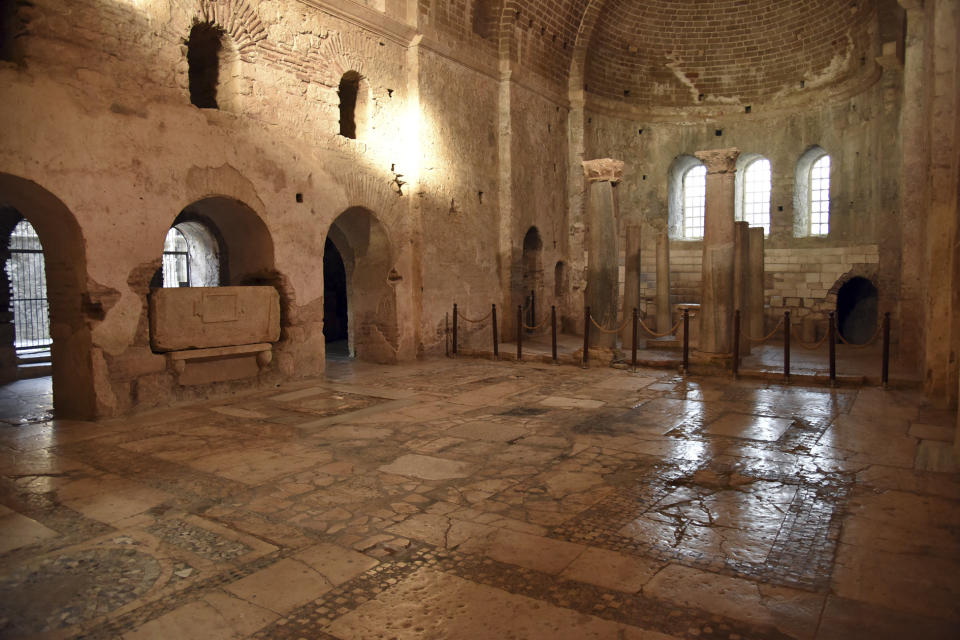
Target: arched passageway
(367, 256)
(857, 310)
(65, 272)
(531, 276)
(335, 324)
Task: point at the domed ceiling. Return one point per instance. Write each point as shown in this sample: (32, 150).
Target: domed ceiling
(687, 52)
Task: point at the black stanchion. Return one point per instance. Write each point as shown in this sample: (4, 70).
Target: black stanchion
(586, 335)
(455, 315)
(553, 331)
(533, 309)
(636, 328)
(786, 346)
(519, 332)
(686, 341)
(832, 331)
(736, 343)
(885, 368)
(496, 338)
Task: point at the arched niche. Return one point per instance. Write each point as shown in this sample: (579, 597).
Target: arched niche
(367, 255)
(70, 306)
(234, 231)
(857, 309)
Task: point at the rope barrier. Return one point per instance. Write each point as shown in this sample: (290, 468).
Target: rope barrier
(669, 332)
(764, 338)
(534, 328)
(806, 345)
(622, 327)
(483, 319)
(854, 345)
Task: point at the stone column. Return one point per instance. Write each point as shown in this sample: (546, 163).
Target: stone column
(716, 307)
(757, 278)
(741, 281)
(631, 287)
(664, 315)
(602, 261)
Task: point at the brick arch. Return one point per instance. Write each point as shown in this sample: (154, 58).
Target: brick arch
(869, 272)
(238, 20)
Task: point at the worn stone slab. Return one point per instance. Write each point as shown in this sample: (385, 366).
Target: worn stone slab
(741, 425)
(281, 586)
(427, 467)
(17, 530)
(432, 604)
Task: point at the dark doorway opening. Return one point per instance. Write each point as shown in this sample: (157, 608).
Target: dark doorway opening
(532, 276)
(857, 310)
(335, 302)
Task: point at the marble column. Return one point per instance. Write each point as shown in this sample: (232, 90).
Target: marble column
(741, 281)
(664, 315)
(757, 277)
(631, 284)
(716, 307)
(602, 261)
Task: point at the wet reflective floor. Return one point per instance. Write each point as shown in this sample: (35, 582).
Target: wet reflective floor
(476, 499)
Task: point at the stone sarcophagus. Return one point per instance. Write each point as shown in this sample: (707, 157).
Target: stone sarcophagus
(224, 333)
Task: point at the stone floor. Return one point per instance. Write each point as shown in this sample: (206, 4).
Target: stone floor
(478, 499)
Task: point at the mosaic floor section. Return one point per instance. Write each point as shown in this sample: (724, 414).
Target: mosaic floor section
(475, 499)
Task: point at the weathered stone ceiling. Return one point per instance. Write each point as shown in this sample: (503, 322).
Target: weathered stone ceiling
(670, 52)
(676, 52)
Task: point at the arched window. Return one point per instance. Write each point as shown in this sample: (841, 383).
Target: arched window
(349, 93)
(811, 196)
(754, 201)
(176, 260)
(694, 202)
(820, 197)
(191, 257)
(203, 59)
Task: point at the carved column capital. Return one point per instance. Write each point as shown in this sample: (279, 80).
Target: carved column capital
(603, 170)
(719, 160)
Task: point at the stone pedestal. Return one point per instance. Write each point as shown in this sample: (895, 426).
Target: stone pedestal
(716, 309)
(602, 261)
(757, 277)
(663, 283)
(631, 288)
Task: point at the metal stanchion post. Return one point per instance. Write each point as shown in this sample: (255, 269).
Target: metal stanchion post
(519, 332)
(686, 341)
(833, 349)
(553, 330)
(786, 346)
(455, 328)
(496, 338)
(586, 335)
(736, 343)
(533, 308)
(636, 328)
(885, 371)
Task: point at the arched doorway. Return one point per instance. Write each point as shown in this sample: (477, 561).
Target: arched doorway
(65, 272)
(532, 275)
(371, 304)
(857, 310)
(335, 323)
(27, 289)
